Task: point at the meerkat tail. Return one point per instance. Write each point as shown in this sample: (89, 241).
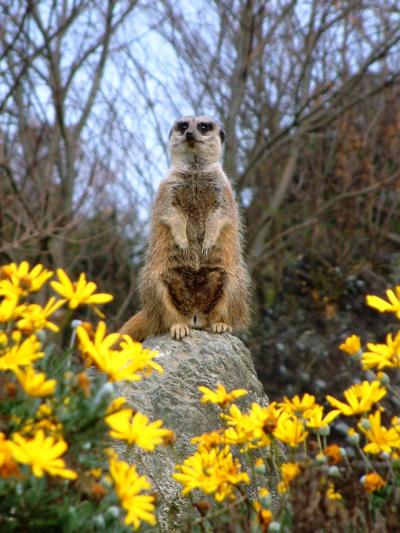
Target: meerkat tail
(137, 327)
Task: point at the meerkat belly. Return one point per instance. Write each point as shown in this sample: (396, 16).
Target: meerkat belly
(194, 285)
(195, 292)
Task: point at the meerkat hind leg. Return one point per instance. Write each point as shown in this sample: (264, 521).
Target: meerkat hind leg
(219, 317)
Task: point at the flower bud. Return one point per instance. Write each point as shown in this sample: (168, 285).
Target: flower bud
(259, 467)
(274, 527)
(334, 471)
(353, 437)
(75, 323)
(383, 378)
(99, 521)
(113, 511)
(365, 424)
(41, 335)
(104, 392)
(321, 458)
(266, 500)
(324, 431)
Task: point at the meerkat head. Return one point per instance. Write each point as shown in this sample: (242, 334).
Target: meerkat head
(196, 141)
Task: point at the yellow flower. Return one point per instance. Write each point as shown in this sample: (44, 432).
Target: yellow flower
(21, 354)
(372, 482)
(392, 306)
(264, 516)
(34, 383)
(50, 427)
(117, 404)
(220, 396)
(289, 472)
(333, 452)
(7, 308)
(316, 419)
(395, 421)
(43, 454)
(33, 317)
(135, 428)
(212, 471)
(128, 486)
(351, 345)
(44, 419)
(125, 363)
(96, 473)
(331, 494)
(380, 439)
(210, 440)
(299, 406)
(44, 410)
(252, 428)
(360, 398)
(383, 355)
(263, 492)
(142, 358)
(265, 417)
(19, 280)
(8, 467)
(79, 292)
(353, 436)
(290, 430)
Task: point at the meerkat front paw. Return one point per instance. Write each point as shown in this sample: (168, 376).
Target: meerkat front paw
(221, 327)
(179, 330)
(183, 244)
(207, 245)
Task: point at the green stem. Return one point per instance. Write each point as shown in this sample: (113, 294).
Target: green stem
(365, 458)
(319, 442)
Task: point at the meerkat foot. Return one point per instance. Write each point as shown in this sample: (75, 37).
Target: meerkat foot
(179, 330)
(221, 327)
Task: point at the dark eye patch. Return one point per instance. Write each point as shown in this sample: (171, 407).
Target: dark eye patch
(182, 126)
(205, 127)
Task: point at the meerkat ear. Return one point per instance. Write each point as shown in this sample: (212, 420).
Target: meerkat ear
(222, 135)
(170, 133)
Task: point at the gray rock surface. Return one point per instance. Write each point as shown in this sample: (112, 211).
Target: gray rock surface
(200, 359)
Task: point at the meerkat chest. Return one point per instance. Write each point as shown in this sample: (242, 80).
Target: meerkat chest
(197, 196)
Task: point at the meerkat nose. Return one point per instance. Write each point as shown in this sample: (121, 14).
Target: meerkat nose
(189, 136)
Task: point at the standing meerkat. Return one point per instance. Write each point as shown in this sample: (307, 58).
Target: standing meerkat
(194, 274)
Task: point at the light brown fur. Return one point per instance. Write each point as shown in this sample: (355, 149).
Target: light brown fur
(194, 274)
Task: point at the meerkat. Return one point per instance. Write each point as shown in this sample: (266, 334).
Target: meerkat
(194, 275)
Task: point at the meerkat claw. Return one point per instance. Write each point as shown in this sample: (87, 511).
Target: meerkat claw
(206, 248)
(221, 327)
(183, 246)
(179, 330)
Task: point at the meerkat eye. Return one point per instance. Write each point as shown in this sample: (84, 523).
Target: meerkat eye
(182, 126)
(204, 127)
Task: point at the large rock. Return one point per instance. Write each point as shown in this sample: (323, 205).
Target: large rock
(200, 359)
